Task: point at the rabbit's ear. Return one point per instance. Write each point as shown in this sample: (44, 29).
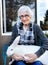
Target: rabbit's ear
(16, 41)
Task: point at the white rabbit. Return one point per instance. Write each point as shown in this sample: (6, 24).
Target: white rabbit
(11, 48)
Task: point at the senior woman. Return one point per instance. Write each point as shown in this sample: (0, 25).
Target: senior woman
(30, 34)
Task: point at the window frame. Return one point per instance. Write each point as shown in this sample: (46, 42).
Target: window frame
(7, 33)
(38, 16)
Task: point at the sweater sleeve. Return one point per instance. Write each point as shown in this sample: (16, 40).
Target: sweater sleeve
(14, 33)
(44, 41)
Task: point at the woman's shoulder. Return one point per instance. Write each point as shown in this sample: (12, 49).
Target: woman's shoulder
(35, 25)
(14, 26)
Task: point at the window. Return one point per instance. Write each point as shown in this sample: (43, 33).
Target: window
(9, 12)
(42, 15)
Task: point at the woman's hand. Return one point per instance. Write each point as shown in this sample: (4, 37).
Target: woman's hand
(32, 58)
(17, 57)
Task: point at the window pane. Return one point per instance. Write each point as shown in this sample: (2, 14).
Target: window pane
(10, 8)
(44, 23)
(42, 14)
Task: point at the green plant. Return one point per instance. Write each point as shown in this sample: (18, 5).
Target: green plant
(46, 35)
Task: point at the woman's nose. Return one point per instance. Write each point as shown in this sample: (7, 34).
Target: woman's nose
(24, 18)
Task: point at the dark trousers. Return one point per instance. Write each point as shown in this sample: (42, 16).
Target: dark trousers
(24, 63)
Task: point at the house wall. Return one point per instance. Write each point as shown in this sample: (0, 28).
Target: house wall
(3, 39)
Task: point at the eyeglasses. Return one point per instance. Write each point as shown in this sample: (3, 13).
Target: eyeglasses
(22, 16)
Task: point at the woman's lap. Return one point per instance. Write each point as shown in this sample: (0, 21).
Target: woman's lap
(18, 63)
(37, 63)
(24, 63)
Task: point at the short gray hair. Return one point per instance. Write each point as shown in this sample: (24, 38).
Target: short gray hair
(24, 8)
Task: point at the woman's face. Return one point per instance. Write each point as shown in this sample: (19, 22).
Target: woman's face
(25, 18)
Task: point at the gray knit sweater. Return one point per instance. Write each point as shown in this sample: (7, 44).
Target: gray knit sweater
(40, 38)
